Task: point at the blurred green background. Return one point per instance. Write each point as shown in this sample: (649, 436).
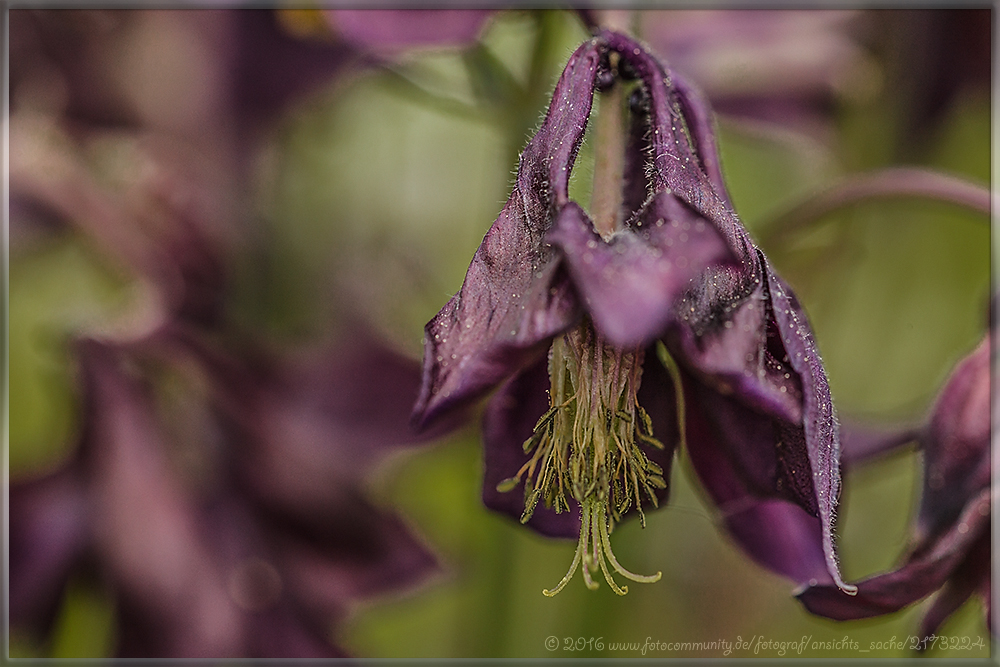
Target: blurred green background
(385, 194)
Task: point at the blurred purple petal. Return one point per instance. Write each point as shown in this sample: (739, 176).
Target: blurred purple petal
(396, 29)
(860, 442)
(144, 529)
(956, 443)
(275, 68)
(48, 534)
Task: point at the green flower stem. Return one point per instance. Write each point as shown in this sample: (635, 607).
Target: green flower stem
(609, 161)
(886, 184)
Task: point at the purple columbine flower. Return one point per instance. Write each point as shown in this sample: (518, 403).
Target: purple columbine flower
(950, 545)
(672, 325)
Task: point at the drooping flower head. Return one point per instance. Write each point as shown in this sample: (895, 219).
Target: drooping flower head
(674, 317)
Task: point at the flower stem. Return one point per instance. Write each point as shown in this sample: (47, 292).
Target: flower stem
(609, 161)
(885, 184)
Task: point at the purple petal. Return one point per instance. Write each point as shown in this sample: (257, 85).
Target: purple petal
(331, 560)
(636, 185)
(48, 534)
(777, 534)
(658, 398)
(273, 68)
(515, 296)
(957, 443)
(309, 425)
(362, 388)
(862, 442)
(513, 300)
(281, 633)
(729, 339)
(819, 419)
(918, 578)
(391, 29)
(545, 165)
(769, 455)
(509, 420)
(967, 579)
(629, 284)
(145, 525)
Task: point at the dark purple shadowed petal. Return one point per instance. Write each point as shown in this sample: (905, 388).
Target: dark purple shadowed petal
(777, 534)
(366, 552)
(819, 418)
(916, 579)
(729, 340)
(629, 284)
(768, 455)
(636, 185)
(282, 632)
(515, 296)
(657, 396)
(392, 29)
(509, 420)
(48, 533)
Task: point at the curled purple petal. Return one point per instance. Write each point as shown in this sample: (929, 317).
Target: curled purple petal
(729, 339)
(819, 418)
(682, 151)
(629, 284)
(515, 296)
(917, 578)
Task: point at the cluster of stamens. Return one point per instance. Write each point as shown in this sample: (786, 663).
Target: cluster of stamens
(586, 447)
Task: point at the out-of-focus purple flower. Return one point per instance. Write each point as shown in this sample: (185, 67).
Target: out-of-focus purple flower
(250, 536)
(950, 546)
(209, 75)
(777, 65)
(682, 280)
(390, 30)
(217, 489)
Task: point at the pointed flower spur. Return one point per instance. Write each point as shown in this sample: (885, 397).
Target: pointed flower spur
(603, 346)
